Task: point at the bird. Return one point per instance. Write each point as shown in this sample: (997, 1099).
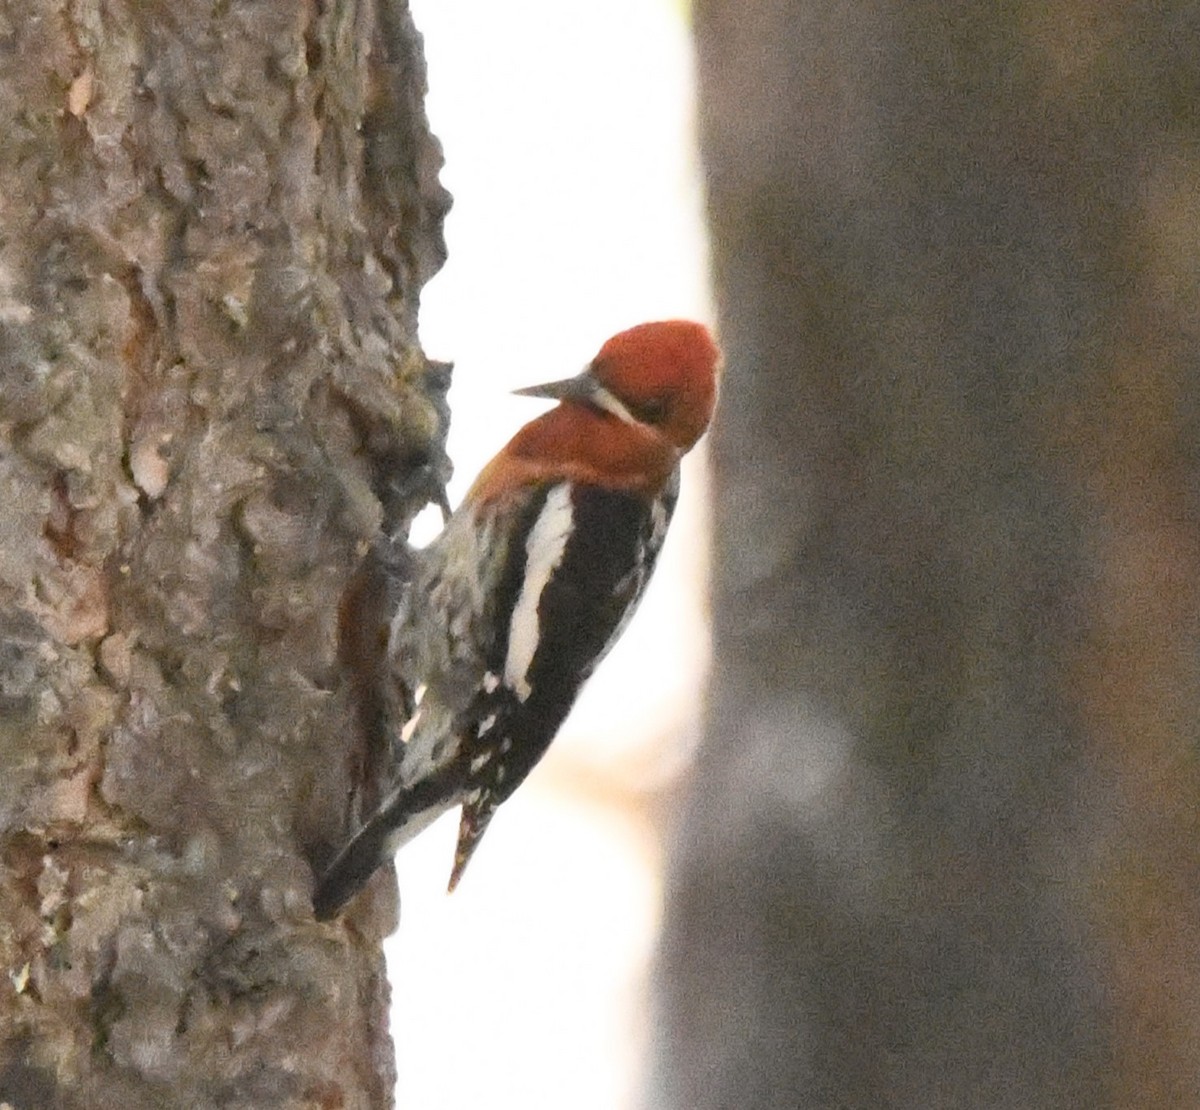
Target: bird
(531, 581)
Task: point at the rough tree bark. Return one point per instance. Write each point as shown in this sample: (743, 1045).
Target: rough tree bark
(215, 222)
(943, 848)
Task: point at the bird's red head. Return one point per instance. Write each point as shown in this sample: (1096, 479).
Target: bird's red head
(665, 374)
(661, 376)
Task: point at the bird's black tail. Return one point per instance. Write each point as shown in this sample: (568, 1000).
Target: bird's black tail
(349, 872)
(403, 814)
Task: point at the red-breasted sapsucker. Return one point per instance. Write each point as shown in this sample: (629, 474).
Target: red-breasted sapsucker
(530, 583)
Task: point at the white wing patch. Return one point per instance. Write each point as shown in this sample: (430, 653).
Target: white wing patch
(659, 520)
(544, 548)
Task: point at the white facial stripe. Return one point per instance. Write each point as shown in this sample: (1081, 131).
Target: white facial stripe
(544, 549)
(603, 399)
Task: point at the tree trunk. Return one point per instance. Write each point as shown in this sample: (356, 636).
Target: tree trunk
(215, 222)
(943, 848)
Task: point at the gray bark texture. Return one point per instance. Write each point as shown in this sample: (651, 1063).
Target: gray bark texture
(942, 848)
(215, 222)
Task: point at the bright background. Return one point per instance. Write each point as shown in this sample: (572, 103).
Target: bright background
(569, 146)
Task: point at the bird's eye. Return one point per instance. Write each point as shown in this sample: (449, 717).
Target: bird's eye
(652, 411)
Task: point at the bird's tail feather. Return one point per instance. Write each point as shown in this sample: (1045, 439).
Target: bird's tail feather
(476, 815)
(403, 814)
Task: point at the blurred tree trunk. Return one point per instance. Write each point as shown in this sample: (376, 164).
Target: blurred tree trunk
(943, 848)
(215, 222)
